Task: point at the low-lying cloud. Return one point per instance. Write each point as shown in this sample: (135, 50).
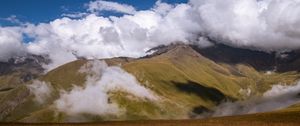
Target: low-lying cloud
(268, 25)
(41, 90)
(94, 97)
(278, 97)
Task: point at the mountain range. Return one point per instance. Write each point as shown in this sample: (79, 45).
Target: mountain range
(174, 81)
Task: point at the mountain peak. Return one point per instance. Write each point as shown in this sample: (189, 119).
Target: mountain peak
(175, 49)
(220, 53)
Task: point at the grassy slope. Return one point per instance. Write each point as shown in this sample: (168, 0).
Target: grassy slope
(278, 118)
(179, 77)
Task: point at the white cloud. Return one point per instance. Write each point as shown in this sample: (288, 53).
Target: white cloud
(41, 90)
(264, 25)
(162, 8)
(12, 19)
(281, 89)
(10, 43)
(102, 5)
(94, 97)
(75, 15)
(278, 97)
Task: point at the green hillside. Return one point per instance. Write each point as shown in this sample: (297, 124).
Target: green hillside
(186, 82)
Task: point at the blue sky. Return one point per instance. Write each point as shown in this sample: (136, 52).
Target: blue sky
(36, 11)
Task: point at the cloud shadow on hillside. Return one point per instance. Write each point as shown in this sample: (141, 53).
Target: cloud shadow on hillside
(206, 93)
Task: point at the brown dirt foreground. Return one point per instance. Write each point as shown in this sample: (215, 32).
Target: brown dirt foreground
(287, 118)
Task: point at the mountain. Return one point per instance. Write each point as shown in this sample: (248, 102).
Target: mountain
(283, 61)
(189, 81)
(20, 70)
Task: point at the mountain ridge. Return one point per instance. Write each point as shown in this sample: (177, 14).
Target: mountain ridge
(190, 83)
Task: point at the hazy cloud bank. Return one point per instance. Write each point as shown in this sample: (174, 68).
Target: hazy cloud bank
(278, 97)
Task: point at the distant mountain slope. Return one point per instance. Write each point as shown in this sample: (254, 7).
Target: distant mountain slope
(13, 76)
(188, 81)
(280, 61)
(19, 70)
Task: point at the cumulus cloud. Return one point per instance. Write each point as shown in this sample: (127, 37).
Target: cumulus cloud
(102, 5)
(162, 8)
(10, 43)
(102, 37)
(268, 25)
(41, 90)
(278, 97)
(94, 97)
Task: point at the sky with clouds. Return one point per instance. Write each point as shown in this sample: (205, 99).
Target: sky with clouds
(37, 11)
(65, 30)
